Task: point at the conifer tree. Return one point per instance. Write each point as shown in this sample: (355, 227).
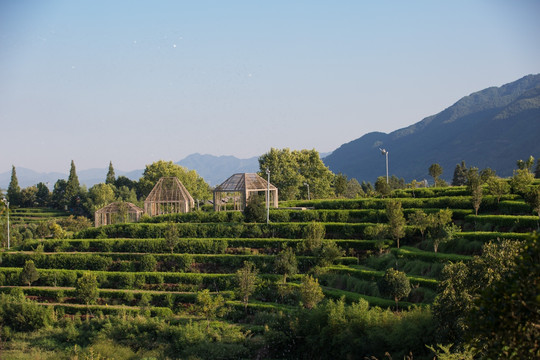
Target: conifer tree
(14, 191)
(460, 174)
(111, 177)
(73, 187)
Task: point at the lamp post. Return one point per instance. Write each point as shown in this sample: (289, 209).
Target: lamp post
(385, 152)
(268, 196)
(7, 204)
(308, 197)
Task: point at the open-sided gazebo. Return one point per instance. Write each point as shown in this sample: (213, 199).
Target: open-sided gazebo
(117, 212)
(169, 196)
(239, 187)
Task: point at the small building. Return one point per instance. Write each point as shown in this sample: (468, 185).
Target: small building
(237, 189)
(169, 196)
(117, 212)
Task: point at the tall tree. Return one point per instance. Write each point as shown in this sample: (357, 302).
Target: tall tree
(354, 189)
(246, 278)
(497, 187)
(526, 164)
(285, 263)
(396, 220)
(474, 185)
(460, 174)
(43, 196)
(59, 194)
(29, 196)
(87, 288)
(73, 188)
(395, 284)
(111, 177)
(340, 185)
(194, 184)
(382, 187)
(14, 191)
(435, 170)
(310, 292)
(29, 273)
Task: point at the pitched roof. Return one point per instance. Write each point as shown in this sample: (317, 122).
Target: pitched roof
(244, 181)
(115, 207)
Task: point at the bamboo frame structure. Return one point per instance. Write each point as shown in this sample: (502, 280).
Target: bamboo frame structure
(117, 212)
(239, 187)
(169, 196)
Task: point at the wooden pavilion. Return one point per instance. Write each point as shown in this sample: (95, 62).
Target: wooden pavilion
(117, 212)
(239, 187)
(169, 196)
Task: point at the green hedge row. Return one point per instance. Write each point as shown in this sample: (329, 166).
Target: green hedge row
(374, 275)
(351, 216)
(118, 297)
(197, 217)
(223, 230)
(128, 280)
(95, 310)
(416, 254)
(189, 246)
(510, 222)
(351, 297)
(514, 207)
(487, 236)
(130, 262)
(489, 203)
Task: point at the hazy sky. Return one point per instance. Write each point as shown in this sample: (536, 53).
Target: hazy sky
(138, 81)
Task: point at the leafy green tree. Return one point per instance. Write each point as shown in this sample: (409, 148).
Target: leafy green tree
(124, 193)
(435, 170)
(310, 292)
(395, 284)
(421, 220)
(43, 195)
(474, 185)
(100, 195)
(396, 183)
(486, 174)
(382, 187)
(285, 263)
(354, 189)
(526, 165)
(209, 306)
(172, 237)
(462, 283)
(497, 187)
(520, 181)
(396, 220)
(14, 191)
(504, 321)
(87, 288)
(246, 278)
(328, 253)
(20, 314)
(441, 228)
(314, 233)
(194, 184)
(340, 185)
(111, 177)
(29, 196)
(460, 175)
(255, 210)
(378, 232)
(315, 173)
(533, 199)
(59, 194)
(29, 273)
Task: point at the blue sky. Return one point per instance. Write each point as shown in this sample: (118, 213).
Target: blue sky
(138, 81)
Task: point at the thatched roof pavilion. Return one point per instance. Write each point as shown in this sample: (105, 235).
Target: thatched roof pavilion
(117, 212)
(239, 187)
(169, 196)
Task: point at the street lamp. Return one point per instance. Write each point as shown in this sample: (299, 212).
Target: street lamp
(306, 184)
(7, 204)
(385, 152)
(268, 196)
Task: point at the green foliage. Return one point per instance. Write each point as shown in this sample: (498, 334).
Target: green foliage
(147, 263)
(497, 187)
(195, 184)
(172, 237)
(87, 288)
(246, 279)
(354, 189)
(314, 233)
(285, 263)
(13, 193)
(289, 170)
(421, 220)
(460, 175)
(111, 177)
(382, 187)
(20, 314)
(340, 185)
(310, 292)
(474, 185)
(29, 273)
(520, 181)
(396, 220)
(255, 210)
(504, 319)
(435, 170)
(328, 253)
(209, 306)
(395, 285)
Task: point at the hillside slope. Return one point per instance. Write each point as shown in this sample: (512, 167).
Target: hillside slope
(490, 128)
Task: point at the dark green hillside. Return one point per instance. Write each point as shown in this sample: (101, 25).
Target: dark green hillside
(490, 128)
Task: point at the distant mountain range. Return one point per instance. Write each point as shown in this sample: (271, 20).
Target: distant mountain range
(492, 128)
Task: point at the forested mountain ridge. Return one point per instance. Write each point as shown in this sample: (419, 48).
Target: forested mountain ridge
(489, 128)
